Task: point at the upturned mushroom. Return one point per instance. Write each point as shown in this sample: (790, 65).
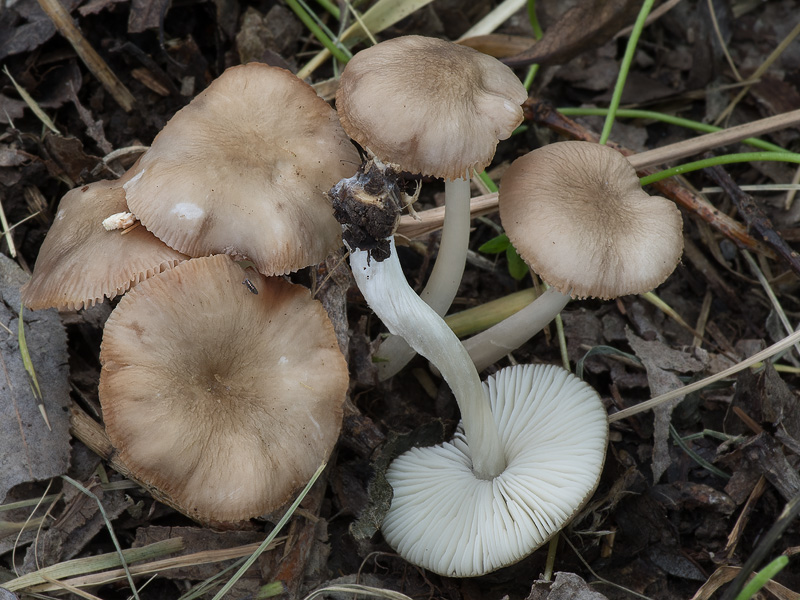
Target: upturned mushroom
(448, 490)
(242, 170)
(436, 108)
(577, 215)
(553, 431)
(223, 402)
(80, 263)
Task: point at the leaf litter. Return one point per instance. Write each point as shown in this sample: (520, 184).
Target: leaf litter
(661, 524)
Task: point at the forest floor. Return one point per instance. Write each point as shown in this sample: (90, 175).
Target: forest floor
(686, 497)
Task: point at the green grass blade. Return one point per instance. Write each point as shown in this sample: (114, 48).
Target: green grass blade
(123, 562)
(28, 363)
(635, 113)
(624, 67)
(268, 540)
(317, 31)
(760, 579)
(724, 159)
(381, 15)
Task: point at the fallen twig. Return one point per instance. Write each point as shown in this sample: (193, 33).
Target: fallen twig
(63, 22)
(755, 218)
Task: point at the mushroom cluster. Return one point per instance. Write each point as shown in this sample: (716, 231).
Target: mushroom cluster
(531, 443)
(241, 170)
(221, 398)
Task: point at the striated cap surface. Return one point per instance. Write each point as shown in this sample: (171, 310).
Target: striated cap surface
(80, 263)
(429, 106)
(223, 401)
(242, 170)
(578, 216)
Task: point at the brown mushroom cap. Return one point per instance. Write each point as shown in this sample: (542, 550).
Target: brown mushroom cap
(429, 106)
(80, 263)
(223, 400)
(242, 170)
(578, 216)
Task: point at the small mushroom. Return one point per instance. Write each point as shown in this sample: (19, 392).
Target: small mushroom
(448, 495)
(553, 430)
(80, 263)
(576, 213)
(429, 106)
(433, 107)
(223, 402)
(484, 500)
(242, 170)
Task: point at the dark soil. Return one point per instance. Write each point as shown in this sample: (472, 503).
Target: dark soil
(667, 517)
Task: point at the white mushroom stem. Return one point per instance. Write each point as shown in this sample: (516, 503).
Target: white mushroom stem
(386, 290)
(446, 275)
(493, 344)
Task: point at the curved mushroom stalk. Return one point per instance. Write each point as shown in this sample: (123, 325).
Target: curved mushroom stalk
(579, 218)
(553, 429)
(445, 277)
(386, 290)
(491, 345)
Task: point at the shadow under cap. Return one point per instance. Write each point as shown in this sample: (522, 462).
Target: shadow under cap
(80, 263)
(222, 401)
(242, 170)
(576, 213)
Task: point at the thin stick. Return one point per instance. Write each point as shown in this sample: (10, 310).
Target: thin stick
(119, 152)
(63, 22)
(721, 40)
(431, 220)
(763, 68)
(12, 249)
(698, 385)
(709, 141)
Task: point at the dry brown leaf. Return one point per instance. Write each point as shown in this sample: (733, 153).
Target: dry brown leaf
(146, 14)
(29, 451)
(725, 574)
(583, 27)
(566, 586)
(498, 45)
(75, 527)
(661, 362)
(33, 31)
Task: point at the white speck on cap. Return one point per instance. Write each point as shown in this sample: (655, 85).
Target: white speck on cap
(188, 210)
